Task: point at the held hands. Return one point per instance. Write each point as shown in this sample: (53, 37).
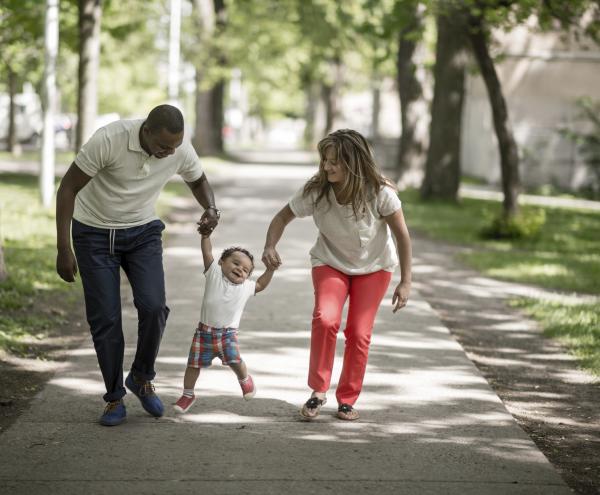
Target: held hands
(66, 265)
(208, 222)
(271, 258)
(400, 297)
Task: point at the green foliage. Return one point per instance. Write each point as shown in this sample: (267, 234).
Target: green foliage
(565, 256)
(28, 235)
(577, 326)
(524, 225)
(21, 39)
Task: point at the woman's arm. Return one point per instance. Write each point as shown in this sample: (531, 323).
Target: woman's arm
(400, 232)
(207, 256)
(270, 255)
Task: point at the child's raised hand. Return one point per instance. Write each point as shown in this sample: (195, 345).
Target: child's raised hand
(204, 229)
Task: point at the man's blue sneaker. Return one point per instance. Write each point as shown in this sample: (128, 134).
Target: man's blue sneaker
(145, 392)
(114, 413)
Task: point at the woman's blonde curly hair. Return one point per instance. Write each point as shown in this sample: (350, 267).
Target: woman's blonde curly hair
(363, 179)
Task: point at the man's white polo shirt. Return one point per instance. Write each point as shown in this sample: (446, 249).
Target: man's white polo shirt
(126, 181)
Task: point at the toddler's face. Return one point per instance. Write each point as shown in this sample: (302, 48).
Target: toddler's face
(236, 267)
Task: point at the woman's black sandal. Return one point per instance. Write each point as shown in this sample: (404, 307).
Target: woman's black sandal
(347, 412)
(311, 408)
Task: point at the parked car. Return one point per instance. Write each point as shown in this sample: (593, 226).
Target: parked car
(28, 117)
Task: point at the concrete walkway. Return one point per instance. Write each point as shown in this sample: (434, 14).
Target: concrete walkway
(430, 423)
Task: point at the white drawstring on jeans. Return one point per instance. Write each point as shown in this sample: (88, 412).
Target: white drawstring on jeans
(111, 241)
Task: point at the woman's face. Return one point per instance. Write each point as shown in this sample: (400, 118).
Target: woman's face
(336, 172)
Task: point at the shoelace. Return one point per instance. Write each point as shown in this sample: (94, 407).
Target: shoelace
(111, 405)
(147, 389)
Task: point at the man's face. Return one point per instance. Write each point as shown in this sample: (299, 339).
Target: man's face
(162, 143)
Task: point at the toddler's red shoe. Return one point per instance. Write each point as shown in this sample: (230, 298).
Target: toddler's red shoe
(248, 388)
(184, 403)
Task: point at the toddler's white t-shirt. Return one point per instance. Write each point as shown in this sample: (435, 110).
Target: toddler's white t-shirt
(224, 301)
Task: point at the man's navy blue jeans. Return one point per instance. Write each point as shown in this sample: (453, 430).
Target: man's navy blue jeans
(101, 253)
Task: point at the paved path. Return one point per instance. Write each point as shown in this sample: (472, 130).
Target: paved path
(430, 423)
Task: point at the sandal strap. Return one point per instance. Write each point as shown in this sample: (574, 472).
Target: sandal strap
(345, 408)
(314, 402)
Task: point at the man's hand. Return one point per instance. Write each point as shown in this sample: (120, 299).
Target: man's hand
(400, 297)
(66, 264)
(208, 222)
(271, 258)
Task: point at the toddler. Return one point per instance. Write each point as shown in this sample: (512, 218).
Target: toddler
(227, 290)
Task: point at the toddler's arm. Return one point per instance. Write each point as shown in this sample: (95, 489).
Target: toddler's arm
(263, 280)
(207, 256)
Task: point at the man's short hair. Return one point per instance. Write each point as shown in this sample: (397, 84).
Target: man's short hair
(165, 117)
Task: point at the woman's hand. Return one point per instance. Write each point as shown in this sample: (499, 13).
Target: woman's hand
(271, 258)
(400, 296)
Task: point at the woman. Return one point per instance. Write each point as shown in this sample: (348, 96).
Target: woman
(354, 208)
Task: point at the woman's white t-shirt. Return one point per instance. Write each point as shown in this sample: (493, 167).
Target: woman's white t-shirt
(352, 246)
(224, 301)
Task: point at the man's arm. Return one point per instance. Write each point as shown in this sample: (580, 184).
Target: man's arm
(207, 256)
(264, 280)
(73, 181)
(204, 195)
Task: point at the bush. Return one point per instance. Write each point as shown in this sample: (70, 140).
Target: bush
(525, 225)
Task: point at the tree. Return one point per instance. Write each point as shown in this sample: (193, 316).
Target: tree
(90, 12)
(49, 101)
(411, 154)
(394, 29)
(21, 46)
(442, 168)
(483, 15)
(209, 62)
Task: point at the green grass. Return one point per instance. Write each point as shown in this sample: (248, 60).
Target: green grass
(61, 157)
(33, 298)
(577, 326)
(564, 257)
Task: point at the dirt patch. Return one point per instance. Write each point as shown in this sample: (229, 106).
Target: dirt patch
(23, 376)
(540, 384)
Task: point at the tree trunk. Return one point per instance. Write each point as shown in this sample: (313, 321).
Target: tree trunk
(208, 131)
(411, 155)
(330, 93)
(90, 13)
(442, 168)
(49, 99)
(509, 155)
(375, 107)
(311, 91)
(12, 144)
(208, 135)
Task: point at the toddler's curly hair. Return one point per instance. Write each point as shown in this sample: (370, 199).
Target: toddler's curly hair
(229, 251)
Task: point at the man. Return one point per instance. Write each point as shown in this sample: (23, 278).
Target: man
(107, 196)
